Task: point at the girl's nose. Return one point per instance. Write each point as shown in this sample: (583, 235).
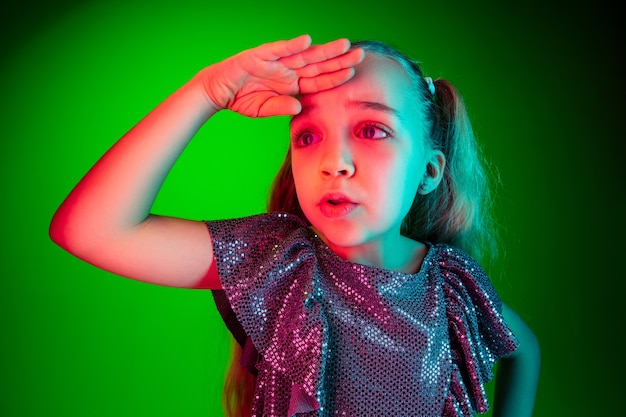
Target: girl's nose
(337, 159)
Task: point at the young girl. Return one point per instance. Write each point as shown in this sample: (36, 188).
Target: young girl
(358, 293)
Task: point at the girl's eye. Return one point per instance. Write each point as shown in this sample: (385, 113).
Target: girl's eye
(305, 138)
(371, 131)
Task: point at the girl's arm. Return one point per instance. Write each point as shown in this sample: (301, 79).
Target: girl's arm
(518, 373)
(106, 219)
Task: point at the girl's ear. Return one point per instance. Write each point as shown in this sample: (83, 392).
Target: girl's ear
(434, 172)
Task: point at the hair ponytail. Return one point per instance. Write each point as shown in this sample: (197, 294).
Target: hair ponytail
(458, 211)
(283, 197)
(238, 386)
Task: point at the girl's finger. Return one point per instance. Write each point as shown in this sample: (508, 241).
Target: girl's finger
(325, 81)
(317, 53)
(279, 49)
(280, 106)
(347, 60)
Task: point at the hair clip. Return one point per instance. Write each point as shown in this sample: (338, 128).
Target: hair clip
(431, 85)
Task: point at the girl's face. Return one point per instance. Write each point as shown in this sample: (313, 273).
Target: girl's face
(358, 156)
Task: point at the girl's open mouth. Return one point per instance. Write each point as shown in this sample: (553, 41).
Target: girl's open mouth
(336, 205)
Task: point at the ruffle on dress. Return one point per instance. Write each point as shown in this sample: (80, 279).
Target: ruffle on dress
(478, 334)
(339, 338)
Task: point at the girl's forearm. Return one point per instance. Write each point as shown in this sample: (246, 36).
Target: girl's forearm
(119, 190)
(106, 218)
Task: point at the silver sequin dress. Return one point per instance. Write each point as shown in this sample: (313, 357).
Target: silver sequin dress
(336, 338)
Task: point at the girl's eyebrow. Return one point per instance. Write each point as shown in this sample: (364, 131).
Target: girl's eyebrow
(364, 105)
(373, 105)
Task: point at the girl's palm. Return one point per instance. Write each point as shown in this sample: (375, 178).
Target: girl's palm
(263, 81)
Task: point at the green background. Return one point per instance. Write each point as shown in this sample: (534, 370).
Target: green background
(544, 93)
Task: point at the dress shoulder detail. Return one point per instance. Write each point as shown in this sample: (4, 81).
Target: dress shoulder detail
(479, 335)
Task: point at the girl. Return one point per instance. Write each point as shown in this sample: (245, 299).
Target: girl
(356, 294)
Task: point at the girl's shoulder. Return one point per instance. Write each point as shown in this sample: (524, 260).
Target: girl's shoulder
(260, 222)
(258, 229)
(465, 283)
(454, 263)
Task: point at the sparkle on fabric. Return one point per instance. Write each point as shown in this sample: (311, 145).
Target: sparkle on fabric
(337, 338)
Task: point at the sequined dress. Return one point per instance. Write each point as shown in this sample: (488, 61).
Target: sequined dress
(334, 338)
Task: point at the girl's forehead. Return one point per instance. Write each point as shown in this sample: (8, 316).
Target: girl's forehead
(377, 79)
(376, 63)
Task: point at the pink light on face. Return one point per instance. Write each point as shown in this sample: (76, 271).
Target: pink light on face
(358, 156)
(336, 205)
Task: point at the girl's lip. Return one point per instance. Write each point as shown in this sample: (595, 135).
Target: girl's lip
(335, 205)
(335, 198)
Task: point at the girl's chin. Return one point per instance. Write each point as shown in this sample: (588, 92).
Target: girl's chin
(338, 237)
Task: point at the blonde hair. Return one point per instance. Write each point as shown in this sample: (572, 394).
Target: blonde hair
(458, 211)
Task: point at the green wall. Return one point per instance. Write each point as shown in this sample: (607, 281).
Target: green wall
(541, 85)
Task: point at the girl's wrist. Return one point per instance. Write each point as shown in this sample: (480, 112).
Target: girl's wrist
(208, 86)
(195, 91)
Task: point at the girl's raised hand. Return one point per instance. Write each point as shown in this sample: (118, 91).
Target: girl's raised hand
(263, 81)
(106, 218)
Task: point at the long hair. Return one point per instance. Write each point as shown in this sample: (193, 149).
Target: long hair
(238, 386)
(458, 211)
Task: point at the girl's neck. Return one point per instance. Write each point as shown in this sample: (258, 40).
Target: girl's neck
(400, 253)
